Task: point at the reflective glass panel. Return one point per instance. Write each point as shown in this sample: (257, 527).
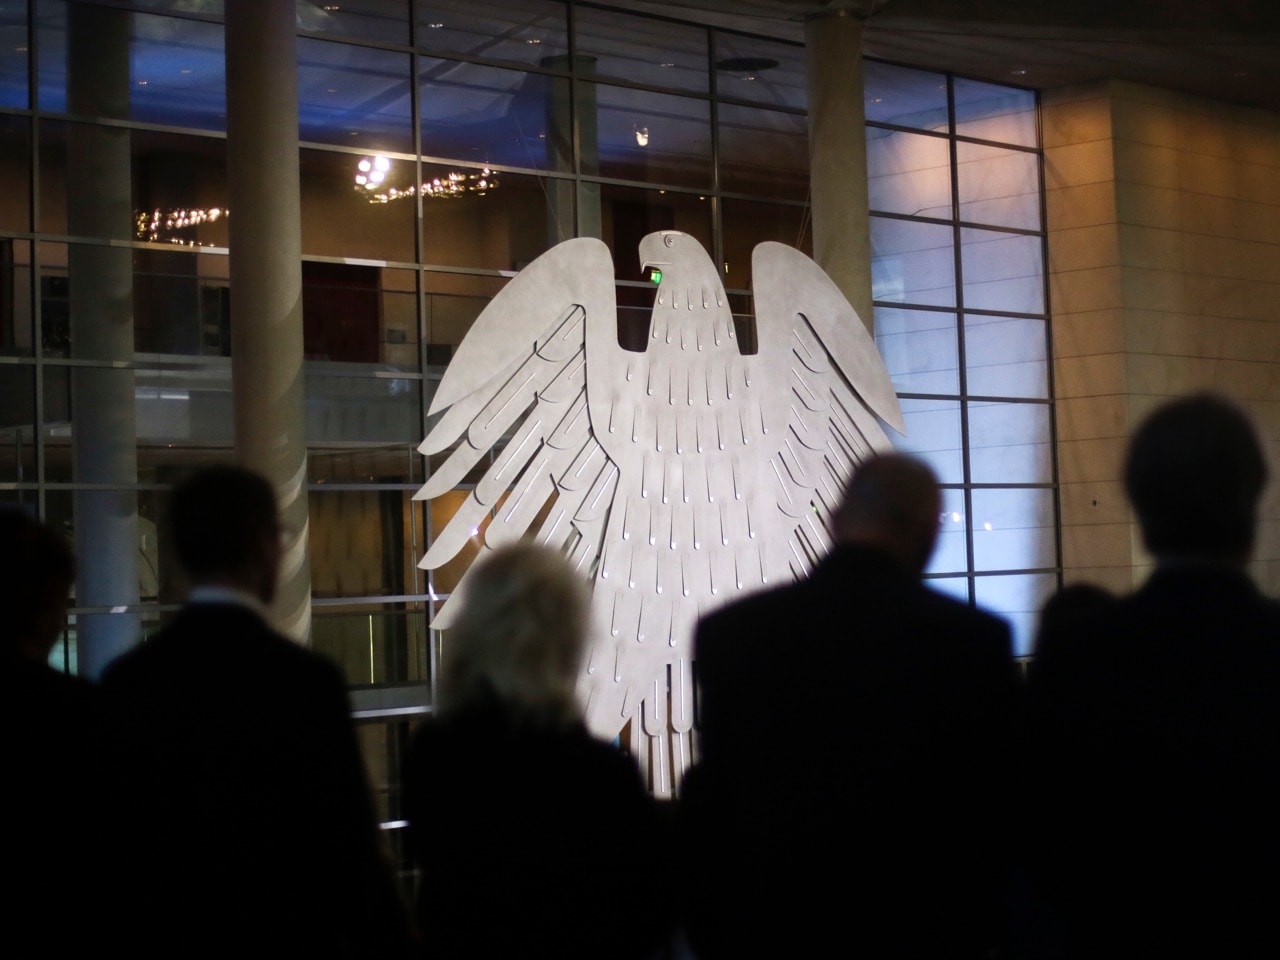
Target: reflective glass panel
(652, 137)
(374, 644)
(143, 185)
(951, 555)
(988, 111)
(908, 173)
(1013, 529)
(614, 45)
(17, 332)
(747, 224)
(764, 153)
(342, 218)
(904, 96)
(360, 313)
(15, 167)
(363, 543)
(14, 54)
(1002, 271)
(17, 423)
(522, 31)
(954, 587)
(919, 349)
(997, 186)
(345, 406)
(480, 114)
(1018, 599)
(452, 302)
(1006, 357)
(354, 97)
(912, 262)
(501, 225)
(390, 463)
(1010, 443)
(767, 72)
(933, 434)
(104, 62)
(386, 20)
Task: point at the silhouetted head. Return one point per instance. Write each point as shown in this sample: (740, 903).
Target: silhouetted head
(37, 570)
(892, 503)
(226, 529)
(1194, 475)
(520, 636)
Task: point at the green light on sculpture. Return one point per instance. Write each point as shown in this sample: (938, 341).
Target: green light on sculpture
(655, 275)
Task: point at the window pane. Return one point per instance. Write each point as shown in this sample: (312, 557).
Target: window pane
(177, 307)
(933, 434)
(912, 262)
(919, 349)
(354, 96)
(386, 20)
(991, 112)
(478, 114)
(343, 406)
(660, 53)
(951, 554)
(522, 31)
(475, 226)
(340, 218)
(390, 463)
(652, 137)
(1013, 529)
(955, 587)
(1018, 599)
(15, 160)
(997, 186)
(135, 66)
(1010, 443)
(762, 71)
(1006, 356)
(161, 187)
(1002, 271)
(17, 330)
(747, 224)
(362, 545)
(17, 419)
(763, 152)
(908, 173)
(453, 301)
(359, 313)
(14, 55)
(906, 97)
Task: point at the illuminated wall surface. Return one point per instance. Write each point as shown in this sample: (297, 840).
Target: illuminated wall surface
(444, 146)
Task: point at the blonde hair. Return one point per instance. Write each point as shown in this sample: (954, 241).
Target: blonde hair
(519, 638)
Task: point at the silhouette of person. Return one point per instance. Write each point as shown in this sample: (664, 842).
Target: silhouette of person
(1158, 722)
(49, 726)
(534, 838)
(246, 803)
(854, 727)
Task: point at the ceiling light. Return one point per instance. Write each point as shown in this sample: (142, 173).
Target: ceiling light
(434, 26)
(642, 136)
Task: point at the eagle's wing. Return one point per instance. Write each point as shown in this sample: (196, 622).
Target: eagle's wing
(826, 385)
(518, 384)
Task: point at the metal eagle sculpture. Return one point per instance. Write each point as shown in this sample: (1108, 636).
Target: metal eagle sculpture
(675, 479)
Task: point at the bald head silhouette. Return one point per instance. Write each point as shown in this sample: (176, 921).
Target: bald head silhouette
(892, 504)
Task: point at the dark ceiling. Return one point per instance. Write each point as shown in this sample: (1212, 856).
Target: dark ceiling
(1222, 49)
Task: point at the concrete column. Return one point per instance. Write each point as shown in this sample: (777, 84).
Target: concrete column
(266, 278)
(838, 153)
(104, 445)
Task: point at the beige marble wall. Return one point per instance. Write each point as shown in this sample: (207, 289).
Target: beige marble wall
(1164, 257)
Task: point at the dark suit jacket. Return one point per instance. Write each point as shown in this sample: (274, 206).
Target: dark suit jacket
(248, 813)
(1158, 769)
(49, 857)
(851, 785)
(533, 842)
